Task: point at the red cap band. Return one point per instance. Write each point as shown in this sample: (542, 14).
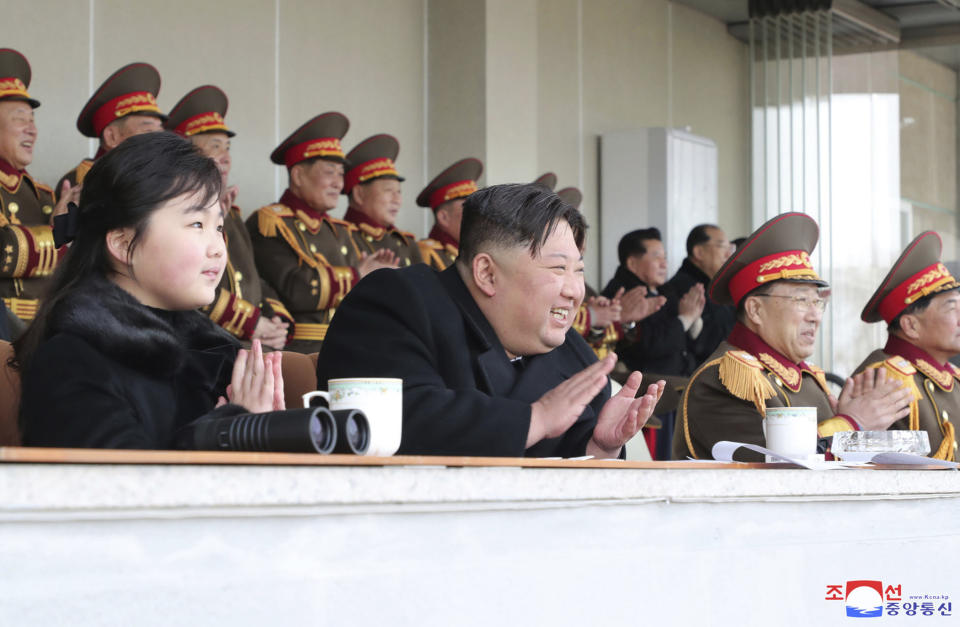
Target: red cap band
(916, 287)
(136, 102)
(321, 147)
(362, 173)
(460, 189)
(201, 123)
(789, 264)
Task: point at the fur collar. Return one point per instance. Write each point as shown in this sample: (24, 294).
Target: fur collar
(145, 339)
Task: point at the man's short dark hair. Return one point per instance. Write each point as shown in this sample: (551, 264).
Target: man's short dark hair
(632, 243)
(514, 215)
(699, 235)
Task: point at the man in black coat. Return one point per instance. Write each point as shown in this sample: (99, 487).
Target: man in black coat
(660, 343)
(707, 249)
(489, 363)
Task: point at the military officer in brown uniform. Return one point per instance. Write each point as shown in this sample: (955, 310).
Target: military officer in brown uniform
(308, 258)
(123, 106)
(29, 255)
(372, 184)
(780, 301)
(919, 301)
(240, 306)
(445, 195)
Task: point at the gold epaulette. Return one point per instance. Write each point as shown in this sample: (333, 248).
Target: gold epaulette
(270, 224)
(372, 231)
(406, 234)
(339, 222)
(744, 377)
(269, 217)
(820, 377)
(82, 170)
(903, 371)
(41, 186)
(430, 255)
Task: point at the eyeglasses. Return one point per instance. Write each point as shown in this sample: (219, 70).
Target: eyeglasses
(802, 303)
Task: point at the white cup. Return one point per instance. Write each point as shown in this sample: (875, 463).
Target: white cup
(791, 431)
(380, 399)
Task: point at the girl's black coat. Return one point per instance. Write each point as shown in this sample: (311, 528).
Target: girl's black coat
(114, 373)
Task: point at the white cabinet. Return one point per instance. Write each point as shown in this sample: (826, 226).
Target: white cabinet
(660, 177)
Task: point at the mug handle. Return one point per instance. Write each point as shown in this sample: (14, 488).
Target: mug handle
(309, 396)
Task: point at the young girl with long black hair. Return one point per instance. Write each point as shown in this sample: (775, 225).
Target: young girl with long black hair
(118, 356)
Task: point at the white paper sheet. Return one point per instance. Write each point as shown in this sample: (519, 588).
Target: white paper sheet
(723, 451)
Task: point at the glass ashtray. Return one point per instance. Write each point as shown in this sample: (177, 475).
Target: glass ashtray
(861, 446)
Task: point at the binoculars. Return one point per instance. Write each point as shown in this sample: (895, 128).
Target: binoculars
(308, 430)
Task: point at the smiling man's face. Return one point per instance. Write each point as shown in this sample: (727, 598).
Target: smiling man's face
(787, 325)
(18, 133)
(540, 294)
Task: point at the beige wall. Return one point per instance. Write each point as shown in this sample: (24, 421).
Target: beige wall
(608, 65)
(526, 85)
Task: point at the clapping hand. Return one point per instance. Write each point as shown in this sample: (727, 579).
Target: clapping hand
(635, 305)
(623, 416)
(257, 381)
(874, 400)
(383, 258)
(604, 311)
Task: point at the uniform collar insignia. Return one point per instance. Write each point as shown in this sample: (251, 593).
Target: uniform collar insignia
(313, 224)
(787, 371)
(298, 204)
(942, 375)
(9, 175)
(375, 232)
(367, 224)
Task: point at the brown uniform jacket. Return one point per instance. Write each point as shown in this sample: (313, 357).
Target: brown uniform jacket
(309, 259)
(727, 397)
(29, 255)
(242, 297)
(370, 238)
(936, 392)
(439, 250)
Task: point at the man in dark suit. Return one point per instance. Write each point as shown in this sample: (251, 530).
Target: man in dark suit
(707, 249)
(661, 342)
(489, 363)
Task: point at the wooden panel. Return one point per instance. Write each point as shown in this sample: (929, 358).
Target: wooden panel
(117, 456)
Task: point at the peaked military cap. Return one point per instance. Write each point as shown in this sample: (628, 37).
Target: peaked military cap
(572, 196)
(778, 250)
(200, 111)
(15, 77)
(371, 159)
(917, 273)
(318, 137)
(130, 90)
(457, 181)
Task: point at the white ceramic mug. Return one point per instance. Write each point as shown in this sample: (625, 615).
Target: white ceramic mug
(380, 399)
(791, 431)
